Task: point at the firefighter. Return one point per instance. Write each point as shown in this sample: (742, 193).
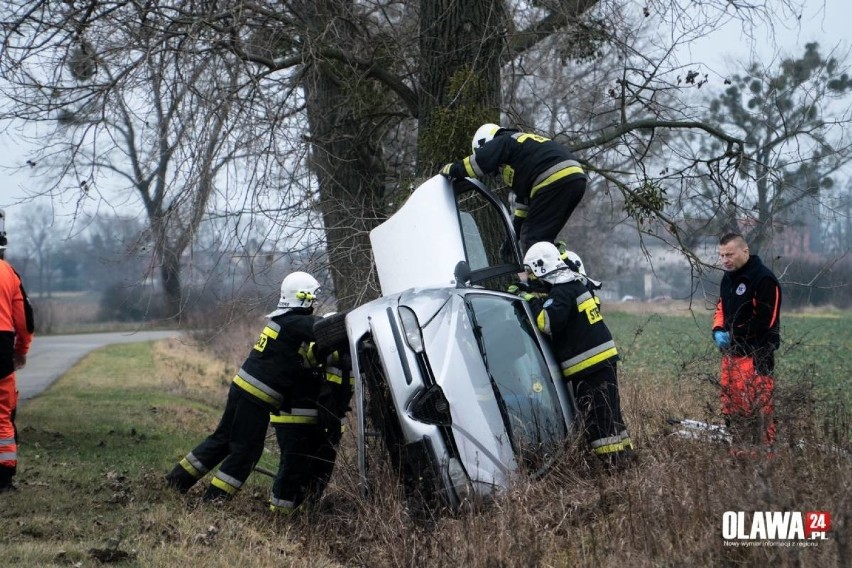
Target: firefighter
(746, 329)
(16, 333)
(309, 434)
(546, 180)
(570, 315)
(266, 382)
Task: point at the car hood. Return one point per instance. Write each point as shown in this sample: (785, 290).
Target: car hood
(484, 445)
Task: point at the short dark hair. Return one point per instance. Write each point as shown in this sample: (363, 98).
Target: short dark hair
(728, 237)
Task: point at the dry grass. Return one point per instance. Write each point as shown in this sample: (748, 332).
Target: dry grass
(665, 511)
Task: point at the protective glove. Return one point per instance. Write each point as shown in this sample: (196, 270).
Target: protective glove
(518, 288)
(445, 171)
(722, 339)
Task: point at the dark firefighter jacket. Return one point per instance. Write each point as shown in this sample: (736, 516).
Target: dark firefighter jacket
(749, 307)
(530, 162)
(274, 368)
(571, 316)
(16, 319)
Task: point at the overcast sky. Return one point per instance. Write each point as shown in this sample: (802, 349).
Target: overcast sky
(724, 50)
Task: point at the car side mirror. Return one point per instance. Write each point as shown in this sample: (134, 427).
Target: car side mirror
(462, 274)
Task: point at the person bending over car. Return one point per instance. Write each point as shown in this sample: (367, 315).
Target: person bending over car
(570, 315)
(265, 383)
(545, 178)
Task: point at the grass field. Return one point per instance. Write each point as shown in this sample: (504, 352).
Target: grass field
(94, 449)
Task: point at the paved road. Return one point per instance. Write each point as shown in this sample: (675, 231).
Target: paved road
(51, 356)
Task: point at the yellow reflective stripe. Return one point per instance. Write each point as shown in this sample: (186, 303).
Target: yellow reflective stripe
(521, 213)
(543, 321)
(283, 507)
(254, 391)
(589, 304)
(307, 352)
(625, 444)
(226, 482)
(585, 364)
(190, 469)
(332, 378)
(273, 333)
(291, 419)
(468, 167)
(555, 177)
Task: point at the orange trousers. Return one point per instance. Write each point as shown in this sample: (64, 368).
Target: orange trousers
(747, 400)
(8, 402)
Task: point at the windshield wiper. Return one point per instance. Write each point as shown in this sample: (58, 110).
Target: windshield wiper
(477, 333)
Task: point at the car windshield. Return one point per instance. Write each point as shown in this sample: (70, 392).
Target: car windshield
(519, 377)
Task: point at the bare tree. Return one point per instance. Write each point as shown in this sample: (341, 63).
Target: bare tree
(352, 80)
(156, 111)
(793, 121)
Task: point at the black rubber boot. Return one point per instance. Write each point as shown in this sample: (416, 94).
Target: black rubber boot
(6, 475)
(215, 495)
(180, 479)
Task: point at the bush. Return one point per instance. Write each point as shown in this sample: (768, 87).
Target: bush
(130, 303)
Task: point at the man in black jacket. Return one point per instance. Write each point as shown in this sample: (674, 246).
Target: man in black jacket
(545, 178)
(265, 383)
(746, 328)
(582, 343)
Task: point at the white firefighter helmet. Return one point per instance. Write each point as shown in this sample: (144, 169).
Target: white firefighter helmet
(484, 134)
(298, 290)
(572, 258)
(542, 259)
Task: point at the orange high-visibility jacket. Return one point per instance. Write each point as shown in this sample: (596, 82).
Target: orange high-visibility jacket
(16, 318)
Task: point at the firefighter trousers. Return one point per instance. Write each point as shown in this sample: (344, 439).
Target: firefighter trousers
(599, 403)
(305, 467)
(549, 210)
(237, 443)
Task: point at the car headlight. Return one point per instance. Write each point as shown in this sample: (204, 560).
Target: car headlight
(411, 327)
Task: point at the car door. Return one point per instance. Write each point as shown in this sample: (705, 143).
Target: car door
(441, 225)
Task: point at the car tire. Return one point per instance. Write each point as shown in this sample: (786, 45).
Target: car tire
(330, 333)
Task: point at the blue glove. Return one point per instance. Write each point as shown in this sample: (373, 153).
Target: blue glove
(722, 339)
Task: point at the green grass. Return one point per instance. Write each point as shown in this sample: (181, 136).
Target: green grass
(93, 451)
(672, 348)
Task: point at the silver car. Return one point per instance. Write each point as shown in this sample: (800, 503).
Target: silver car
(453, 374)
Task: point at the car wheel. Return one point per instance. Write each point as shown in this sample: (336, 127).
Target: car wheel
(330, 333)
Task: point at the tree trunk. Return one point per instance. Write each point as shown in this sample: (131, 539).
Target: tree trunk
(460, 48)
(346, 159)
(170, 276)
